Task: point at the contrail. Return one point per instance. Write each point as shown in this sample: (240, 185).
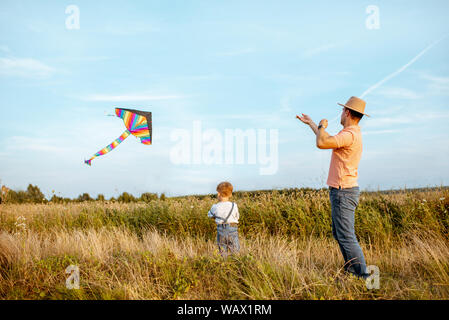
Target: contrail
(402, 68)
(397, 71)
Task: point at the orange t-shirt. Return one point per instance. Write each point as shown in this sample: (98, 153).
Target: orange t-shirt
(345, 158)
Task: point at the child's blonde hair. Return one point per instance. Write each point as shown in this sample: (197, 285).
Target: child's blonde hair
(225, 189)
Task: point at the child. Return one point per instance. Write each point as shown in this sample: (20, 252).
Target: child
(226, 216)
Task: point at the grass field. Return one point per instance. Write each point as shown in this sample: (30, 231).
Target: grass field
(165, 249)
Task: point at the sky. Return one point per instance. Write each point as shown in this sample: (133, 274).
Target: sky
(219, 65)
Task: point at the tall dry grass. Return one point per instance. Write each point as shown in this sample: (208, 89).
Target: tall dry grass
(166, 249)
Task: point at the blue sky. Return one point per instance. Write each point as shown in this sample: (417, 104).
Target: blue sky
(228, 64)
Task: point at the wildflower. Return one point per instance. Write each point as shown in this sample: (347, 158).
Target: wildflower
(20, 224)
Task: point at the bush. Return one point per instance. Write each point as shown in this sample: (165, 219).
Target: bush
(148, 197)
(126, 198)
(32, 195)
(84, 197)
(56, 199)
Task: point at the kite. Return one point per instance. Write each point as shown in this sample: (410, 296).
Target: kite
(138, 123)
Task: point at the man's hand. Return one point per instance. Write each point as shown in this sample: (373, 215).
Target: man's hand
(308, 120)
(323, 139)
(305, 118)
(323, 123)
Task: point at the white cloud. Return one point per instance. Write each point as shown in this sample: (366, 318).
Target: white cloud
(398, 93)
(129, 29)
(129, 97)
(258, 117)
(25, 67)
(236, 52)
(65, 59)
(36, 144)
(199, 77)
(405, 119)
(319, 50)
(379, 132)
(5, 49)
(285, 104)
(438, 85)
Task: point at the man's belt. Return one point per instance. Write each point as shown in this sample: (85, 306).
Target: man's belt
(340, 188)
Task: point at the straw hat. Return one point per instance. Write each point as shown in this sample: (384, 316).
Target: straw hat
(355, 104)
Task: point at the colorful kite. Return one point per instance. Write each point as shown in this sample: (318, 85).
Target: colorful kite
(138, 123)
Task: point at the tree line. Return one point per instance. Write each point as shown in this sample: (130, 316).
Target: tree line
(34, 195)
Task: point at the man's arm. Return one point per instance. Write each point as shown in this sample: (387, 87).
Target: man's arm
(323, 139)
(307, 120)
(314, 127)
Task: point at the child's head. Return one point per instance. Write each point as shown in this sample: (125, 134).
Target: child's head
(224, 190)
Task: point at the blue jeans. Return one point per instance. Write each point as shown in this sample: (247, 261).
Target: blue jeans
(227, 239)
(343, 204)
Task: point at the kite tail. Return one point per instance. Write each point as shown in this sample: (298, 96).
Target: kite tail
(108, 148)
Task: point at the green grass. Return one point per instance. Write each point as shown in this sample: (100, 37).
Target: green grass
(165, 249)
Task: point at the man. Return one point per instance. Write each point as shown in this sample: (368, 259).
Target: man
(342, 180)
